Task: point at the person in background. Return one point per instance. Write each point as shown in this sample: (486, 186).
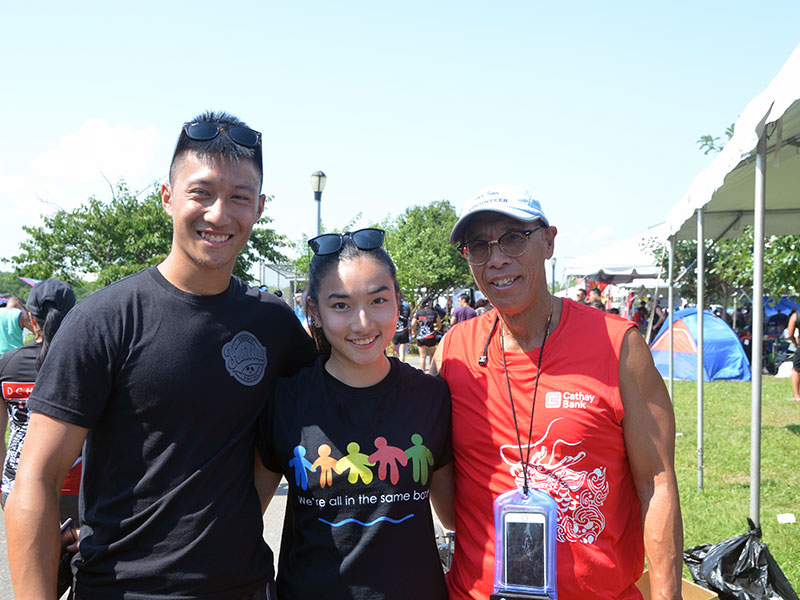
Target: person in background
(640, 318)
(548, 391)
(463, 311)
(793, 333)
(48, 302)
(298, 307)
(659, 316)
(13, 321)
(426, 327)
(481, 306)
(400, 338)
(594, 296)
(580, 296)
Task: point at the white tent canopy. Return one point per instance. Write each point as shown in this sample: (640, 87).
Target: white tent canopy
(725, 189)
(755, 181)
(621, 262)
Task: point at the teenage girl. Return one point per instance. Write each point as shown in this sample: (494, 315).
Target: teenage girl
(362, 439)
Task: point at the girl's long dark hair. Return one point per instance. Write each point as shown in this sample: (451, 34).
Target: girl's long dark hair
(52, 321)
(321, 265)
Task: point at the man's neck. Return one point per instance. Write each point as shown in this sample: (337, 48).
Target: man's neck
(194, 280)
(526, 331)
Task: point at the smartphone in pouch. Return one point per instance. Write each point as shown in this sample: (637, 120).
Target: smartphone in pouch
(525, 551)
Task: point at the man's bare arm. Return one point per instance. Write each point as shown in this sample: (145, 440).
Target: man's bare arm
(3, 428)
(25, 321)
(438, 355)
(32, 519)
(792, 331)
(442, 490)
(649, 430)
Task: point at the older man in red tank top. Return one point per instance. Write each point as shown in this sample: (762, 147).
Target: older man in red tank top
(552, 392)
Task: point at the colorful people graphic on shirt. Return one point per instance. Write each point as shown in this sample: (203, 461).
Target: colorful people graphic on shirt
(387, 457)
(300, 463)
(326, 464)
(420, 457)
(358, 464)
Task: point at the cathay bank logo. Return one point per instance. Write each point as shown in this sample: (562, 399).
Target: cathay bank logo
(568, 399)
(552, 400)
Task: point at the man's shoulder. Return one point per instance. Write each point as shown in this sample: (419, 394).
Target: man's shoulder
(25, 352)
(120, 289)
(9, 314)
(306, 378)
(464, 333)
(595, 327)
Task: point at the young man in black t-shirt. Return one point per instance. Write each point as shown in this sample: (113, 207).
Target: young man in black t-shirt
(163, 375)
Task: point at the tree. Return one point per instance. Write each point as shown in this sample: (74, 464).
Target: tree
(419, 244)
(709, 143)
(12, 285)
(729, 265)
(117, 238)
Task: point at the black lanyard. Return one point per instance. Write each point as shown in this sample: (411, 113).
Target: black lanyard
(533, 401)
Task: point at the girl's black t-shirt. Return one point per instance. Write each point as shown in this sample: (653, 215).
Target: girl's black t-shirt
(359, 463)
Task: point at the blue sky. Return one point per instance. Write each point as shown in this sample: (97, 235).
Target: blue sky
(596, 108)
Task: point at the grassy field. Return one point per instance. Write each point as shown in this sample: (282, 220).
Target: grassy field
(720, 511)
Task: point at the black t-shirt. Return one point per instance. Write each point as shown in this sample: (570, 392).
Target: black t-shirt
(17, 375)
(403, 316)
(170, 385)
(426, 323)
(359, 463)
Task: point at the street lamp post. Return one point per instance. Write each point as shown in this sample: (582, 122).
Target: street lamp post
(318, 179)
(553, 283)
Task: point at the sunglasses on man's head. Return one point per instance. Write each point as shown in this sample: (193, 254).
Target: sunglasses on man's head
(207, 130)
(331, 243)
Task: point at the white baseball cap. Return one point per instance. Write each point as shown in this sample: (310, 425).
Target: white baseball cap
(511, 200)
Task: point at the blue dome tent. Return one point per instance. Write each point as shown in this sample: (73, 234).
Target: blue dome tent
(724, 357)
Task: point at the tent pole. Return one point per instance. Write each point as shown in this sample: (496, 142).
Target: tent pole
(671, 310)
(757, 329)
(700, 307)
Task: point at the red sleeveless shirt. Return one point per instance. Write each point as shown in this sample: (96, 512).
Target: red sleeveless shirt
(577, 452)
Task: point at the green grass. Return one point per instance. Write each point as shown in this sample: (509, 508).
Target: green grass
(720, 511)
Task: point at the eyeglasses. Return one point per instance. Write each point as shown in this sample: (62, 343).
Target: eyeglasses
(207, 130)
(511, 243)
(331, 243)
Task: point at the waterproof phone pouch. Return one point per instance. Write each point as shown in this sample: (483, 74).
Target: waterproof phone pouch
(525, 545)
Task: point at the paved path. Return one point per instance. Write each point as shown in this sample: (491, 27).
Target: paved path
(273, 524)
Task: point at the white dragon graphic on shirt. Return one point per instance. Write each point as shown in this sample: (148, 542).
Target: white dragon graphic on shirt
(579, 495)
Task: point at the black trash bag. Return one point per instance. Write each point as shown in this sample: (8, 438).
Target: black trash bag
(739, 568)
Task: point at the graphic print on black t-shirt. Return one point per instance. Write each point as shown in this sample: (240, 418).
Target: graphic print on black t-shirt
(245, 358)
(426, 319)
(354, 467)
(403, 316)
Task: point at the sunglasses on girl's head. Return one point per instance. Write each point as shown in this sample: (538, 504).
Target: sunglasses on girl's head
(206, 130)
(331, 243)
